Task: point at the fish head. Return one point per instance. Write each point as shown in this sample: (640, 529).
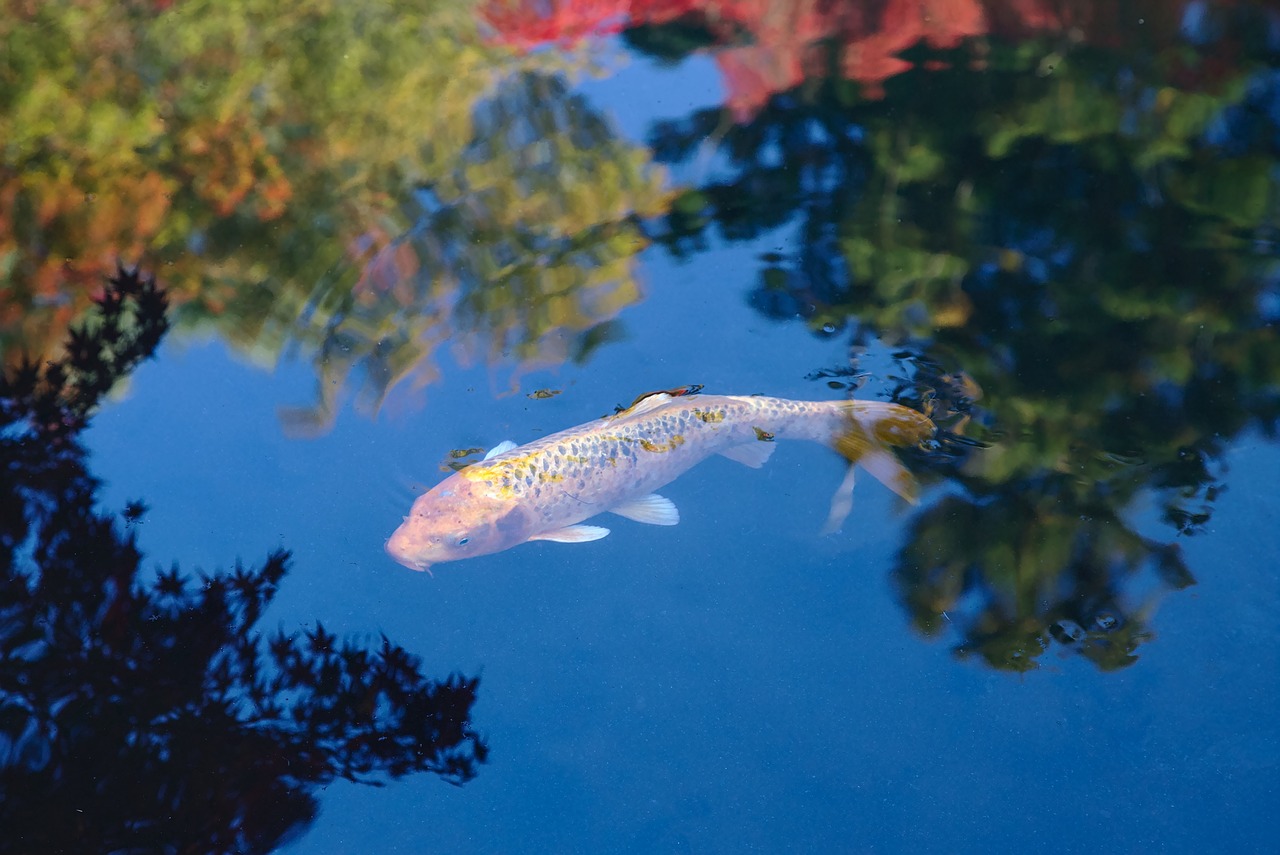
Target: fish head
(457, 519)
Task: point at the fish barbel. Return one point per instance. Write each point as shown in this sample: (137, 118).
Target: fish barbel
(545, 489)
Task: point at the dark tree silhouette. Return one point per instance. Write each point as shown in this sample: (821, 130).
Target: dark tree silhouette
(143, 711)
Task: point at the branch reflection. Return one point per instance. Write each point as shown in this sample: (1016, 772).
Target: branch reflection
(148, 712)
(1070, 249)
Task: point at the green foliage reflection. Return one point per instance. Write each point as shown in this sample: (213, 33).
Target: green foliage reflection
(522, 254)
(267, 163)
(1084, 233)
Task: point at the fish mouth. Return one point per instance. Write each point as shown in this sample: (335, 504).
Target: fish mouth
(416, 564)
(401, 555)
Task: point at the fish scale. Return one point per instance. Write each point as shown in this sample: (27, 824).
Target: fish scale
(543, 489)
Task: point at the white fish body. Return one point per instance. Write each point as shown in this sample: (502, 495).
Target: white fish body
(545, 489)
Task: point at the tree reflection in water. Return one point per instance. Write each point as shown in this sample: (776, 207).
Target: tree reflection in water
(1079, 226)
(144, 712)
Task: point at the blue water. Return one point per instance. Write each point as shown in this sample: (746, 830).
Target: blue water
(739, 682)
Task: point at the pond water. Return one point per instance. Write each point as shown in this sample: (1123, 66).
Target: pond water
(388, 236)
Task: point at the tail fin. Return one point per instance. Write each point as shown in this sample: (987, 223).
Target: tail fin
(865, 439)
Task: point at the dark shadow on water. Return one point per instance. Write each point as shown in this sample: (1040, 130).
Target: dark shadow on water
(149, 712)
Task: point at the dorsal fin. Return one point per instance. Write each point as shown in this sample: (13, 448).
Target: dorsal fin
(645, 403)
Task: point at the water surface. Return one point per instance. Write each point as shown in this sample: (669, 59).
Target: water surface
(1051, 228)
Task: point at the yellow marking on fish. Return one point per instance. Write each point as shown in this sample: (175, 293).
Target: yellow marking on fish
(482, 471)
(672, 444)
(616, 437)
(476, 473)
(504, 479)
(544, 490)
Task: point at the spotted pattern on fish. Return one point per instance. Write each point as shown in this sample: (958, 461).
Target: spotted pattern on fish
(563, 470)
(548, 486)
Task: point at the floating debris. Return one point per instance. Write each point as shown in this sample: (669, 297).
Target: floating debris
(459, 459)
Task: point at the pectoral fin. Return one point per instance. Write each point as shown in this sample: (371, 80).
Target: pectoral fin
(573, 534)
(652, 509)
(501, 448)
(753, 454)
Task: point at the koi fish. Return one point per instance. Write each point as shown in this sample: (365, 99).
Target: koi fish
(544, 490)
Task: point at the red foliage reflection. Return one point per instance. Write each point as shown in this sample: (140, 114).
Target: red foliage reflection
(788, 38)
